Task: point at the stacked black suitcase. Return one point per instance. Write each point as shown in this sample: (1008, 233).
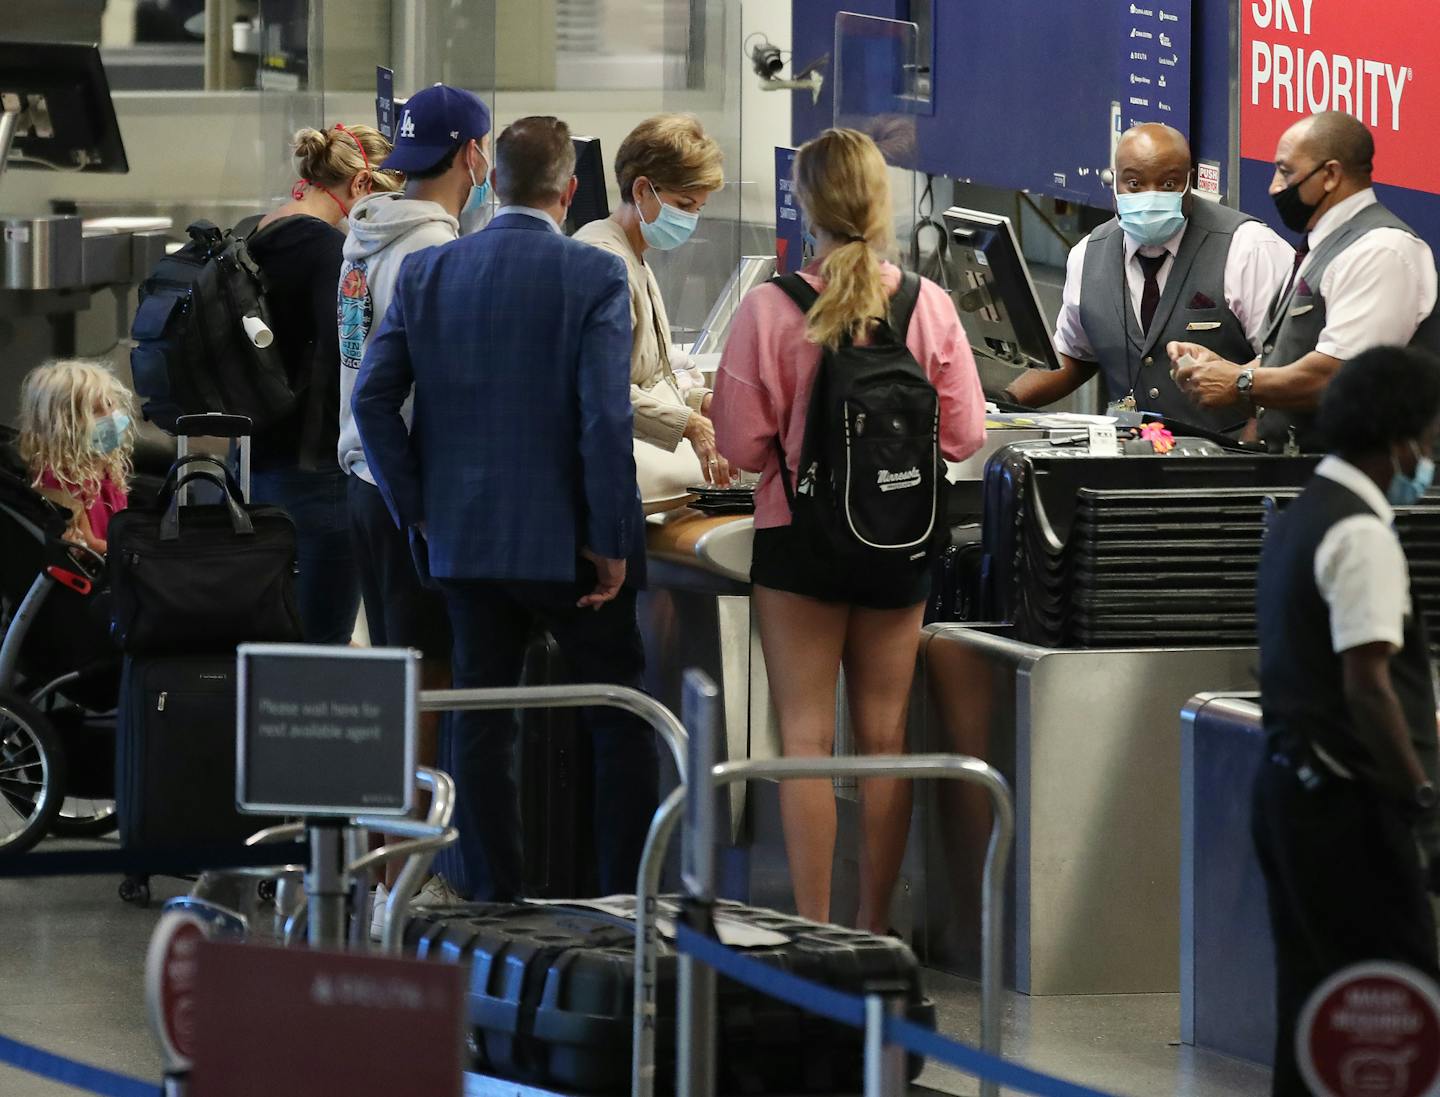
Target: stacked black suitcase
(175, 729)
(551, 997)
(1083, 551)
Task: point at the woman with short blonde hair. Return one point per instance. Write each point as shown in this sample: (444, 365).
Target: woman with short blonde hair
(819, 609)
(666, 169)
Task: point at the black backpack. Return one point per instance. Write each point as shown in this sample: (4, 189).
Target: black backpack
(192, 354)
(872, 479)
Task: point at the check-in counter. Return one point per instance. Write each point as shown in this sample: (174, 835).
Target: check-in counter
(1089, 742)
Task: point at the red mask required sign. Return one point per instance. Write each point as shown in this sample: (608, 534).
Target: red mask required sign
(1300, 57)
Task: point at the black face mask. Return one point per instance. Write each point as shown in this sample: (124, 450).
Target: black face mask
(1295, 212)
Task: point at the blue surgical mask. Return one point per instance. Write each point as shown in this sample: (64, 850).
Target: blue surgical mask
(671, 227)
(108, 432)
(1406, 491)
(1152, 216)
(479, 192)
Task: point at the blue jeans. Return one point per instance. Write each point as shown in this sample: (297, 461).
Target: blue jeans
(328, 586)
(492, 622)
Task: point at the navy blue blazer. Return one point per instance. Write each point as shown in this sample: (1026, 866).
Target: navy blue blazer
(517, 341)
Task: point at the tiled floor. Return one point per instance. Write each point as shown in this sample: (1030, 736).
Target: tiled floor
(71, 960)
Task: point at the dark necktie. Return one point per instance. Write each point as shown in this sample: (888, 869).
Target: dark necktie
(1150, 298)
(1300, 253)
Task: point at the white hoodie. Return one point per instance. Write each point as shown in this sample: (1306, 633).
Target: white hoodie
(384, 229)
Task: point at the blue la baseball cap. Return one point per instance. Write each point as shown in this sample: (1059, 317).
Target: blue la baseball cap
(434, 121)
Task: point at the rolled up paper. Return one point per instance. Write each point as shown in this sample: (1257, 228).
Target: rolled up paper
(257, 331)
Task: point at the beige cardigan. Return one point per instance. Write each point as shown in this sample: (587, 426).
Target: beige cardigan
(661, 413)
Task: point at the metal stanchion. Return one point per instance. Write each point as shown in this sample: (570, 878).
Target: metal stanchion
(696, 1020)
(325, 885)
(885, 1073)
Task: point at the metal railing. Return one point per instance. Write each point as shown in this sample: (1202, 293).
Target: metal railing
(695, 1033)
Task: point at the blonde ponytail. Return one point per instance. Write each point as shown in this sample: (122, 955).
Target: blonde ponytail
(845, 191)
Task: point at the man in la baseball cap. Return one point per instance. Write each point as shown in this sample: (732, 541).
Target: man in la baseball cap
(442, 144)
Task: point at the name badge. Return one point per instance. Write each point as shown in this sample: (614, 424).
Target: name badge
(1202, 325)
(1301, 311)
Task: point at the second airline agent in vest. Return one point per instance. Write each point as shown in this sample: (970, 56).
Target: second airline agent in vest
(1362, 279)
(1194, 269)
(1348, 701)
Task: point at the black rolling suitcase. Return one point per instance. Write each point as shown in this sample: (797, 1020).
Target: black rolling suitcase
(556, 787)
(551, 996)
(175, 723)
(175, 754)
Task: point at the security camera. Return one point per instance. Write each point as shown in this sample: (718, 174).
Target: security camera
(766, 59)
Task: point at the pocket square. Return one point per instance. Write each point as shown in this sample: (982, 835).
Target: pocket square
(1302, 289)
(1200, 301)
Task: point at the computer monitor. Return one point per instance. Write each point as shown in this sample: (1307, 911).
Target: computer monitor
(994, 293)
(592, 200)
(55, 103)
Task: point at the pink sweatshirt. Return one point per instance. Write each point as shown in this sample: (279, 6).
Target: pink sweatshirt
(763, 385)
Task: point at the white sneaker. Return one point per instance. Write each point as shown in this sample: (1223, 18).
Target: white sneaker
(437, 893)
(377, 911)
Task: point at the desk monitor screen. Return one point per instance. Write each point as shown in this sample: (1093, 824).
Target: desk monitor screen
(994, 292)
(59, 100)
(592, 201)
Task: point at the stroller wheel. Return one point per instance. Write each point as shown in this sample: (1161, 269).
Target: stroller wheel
(84, 818)
(32, 775)
(135, 890)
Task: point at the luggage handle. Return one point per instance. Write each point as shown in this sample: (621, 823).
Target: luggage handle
(214, 424)
(170, 524)
(209, 462)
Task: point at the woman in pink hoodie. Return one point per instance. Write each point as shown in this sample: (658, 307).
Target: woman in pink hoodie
(817, 613)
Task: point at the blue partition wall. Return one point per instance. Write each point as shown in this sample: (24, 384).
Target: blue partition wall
(1022, 89)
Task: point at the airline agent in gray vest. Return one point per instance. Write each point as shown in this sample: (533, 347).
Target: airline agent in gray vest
(1362, 279)
(1348, 700)
(1169, 267)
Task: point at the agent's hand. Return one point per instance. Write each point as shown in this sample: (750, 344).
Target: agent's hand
(1209, 384)
(1178, 350)
(609, 578)
(701, 432)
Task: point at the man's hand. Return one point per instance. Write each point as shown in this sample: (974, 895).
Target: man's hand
(701, 432)
(1207, 379)
(609, 578)
(705, 403)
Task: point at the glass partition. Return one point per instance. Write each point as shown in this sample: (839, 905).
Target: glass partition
(880, 90)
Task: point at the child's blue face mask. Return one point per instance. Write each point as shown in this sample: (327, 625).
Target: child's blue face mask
(108, 432)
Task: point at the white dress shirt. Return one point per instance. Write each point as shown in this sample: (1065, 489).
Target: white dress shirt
(1257, 268)
(531, 211)
(1378, 290)
(1360, 568)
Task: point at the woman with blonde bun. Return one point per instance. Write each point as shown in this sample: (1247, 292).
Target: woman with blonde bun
(298, 247)
(77, 436)
(819, 611)
(666, 169)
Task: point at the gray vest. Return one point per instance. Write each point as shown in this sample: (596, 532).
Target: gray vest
(1297, 317)
(1192, 309)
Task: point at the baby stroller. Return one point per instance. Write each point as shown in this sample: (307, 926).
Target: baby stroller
(59, 673)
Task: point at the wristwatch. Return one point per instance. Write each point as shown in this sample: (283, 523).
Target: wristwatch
(1425, 796)
(1245, 382)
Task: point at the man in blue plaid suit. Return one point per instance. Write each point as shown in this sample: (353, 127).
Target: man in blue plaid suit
(517, 481)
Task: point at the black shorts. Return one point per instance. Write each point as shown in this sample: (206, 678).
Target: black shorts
(399, 612)
(786, 560)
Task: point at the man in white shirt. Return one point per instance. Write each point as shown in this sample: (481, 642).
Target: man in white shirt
(1170, 266)
(1348, 699)
(1363, 279)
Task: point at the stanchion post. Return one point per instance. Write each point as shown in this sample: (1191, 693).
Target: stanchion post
(696, 1020)
(885, 1073)
(325, 885)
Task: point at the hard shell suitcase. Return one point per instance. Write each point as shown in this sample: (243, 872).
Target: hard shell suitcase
(175, 754)
(551, 994)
